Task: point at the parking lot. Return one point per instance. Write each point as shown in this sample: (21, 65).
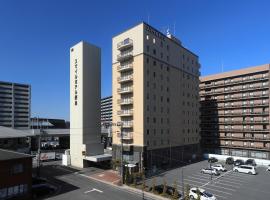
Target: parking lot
(229, 185)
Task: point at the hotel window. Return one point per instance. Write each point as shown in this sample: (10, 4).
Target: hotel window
(147, 48)
(154, 51)
(250, 77)
(251, 127)
(251, 102)
(244, 94)
(147, 37)
(244, 102)
(264, 75)
(251, 94)
(264, 119)
(264, 92)
(161, 55)
(263, 101)
(161, 43)
(244, 127)
(252, 143)
(154, 40)
(232, 142)
(252, 119)
(231, 88)
(226, 89)
(168, 48)
(245, 143)
(251, 85)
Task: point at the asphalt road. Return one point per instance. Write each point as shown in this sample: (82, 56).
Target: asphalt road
(74, 184)
(229, 185)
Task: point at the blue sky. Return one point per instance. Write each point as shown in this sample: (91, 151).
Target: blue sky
(35, 38)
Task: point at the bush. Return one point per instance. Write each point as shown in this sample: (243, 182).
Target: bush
(164, 192)
(154, 185)
(187, 188)
(175, 192)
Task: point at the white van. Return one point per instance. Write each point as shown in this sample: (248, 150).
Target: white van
(245, 169)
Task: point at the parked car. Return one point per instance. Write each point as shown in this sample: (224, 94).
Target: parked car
(193, 194)
(250, 162)
(212, 160)
(230, 161)
(219, 167)
(268, 169)
(210, 171)
(248, 169)
(239, 162)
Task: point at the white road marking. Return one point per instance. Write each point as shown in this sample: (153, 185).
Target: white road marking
(216, 178)
(230, 185)
(193, 181)
(93, 190)
(201, 176)
(225, 188)
(220, 196)
(207, 188)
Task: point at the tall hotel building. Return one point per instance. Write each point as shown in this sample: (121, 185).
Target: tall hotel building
(235, 112)
(15, 105)
(155, 96)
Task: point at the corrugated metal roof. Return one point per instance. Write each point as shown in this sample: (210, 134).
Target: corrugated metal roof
(6, 132)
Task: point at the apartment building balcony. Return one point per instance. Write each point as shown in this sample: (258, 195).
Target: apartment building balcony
(261, 96)
(245, 147)
(246, 138)
(127, 124)
(127, 43)
(126, 78)
(125, 112)
(236, 122)
(126, 135)
(222, 84)
(127, 147)
(124, 56)
(126, 101)
(122, 68)
(235, 106)
(235, 114)
(235, 90)
(125, 90)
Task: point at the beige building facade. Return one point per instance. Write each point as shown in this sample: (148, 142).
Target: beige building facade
(235, 112)
(155, 88)
(85, 61)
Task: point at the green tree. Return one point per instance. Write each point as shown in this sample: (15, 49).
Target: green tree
(164, 192)
(143, 182)
(175, 191)
(187, 192)
(154, 185)
(198, 194)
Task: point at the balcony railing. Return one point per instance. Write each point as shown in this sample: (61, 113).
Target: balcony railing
(125, 112)
(235, 106)
(234, 114)
(125, 67)
(125, 78)
(124, 56)
(237, 138)
(125, 44)
(125, 90)
(236, 122)
(125, 101)
(236, 98)
(233, 82)
(235, 90)
(127, 124)
(126, 135)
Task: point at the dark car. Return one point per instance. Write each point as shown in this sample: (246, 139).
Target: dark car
(212, 160)
(250, 162)
(239, 162)
(230, 161)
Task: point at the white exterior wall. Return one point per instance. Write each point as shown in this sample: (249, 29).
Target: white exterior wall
(85, 116)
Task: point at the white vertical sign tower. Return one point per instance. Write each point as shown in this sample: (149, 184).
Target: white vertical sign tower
(85, 61)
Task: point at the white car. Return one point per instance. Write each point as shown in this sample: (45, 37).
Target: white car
(219, 167)
(245, 169)
(210, 171)
(193, 194)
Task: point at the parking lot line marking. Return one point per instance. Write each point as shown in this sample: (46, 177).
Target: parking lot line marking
(236, 182)
(220, 196)
(217, 178)
(194, 181)
(201, 176)
(207, 188)
(221, 187)
(230, 185)
(197, 178)
(94, 189)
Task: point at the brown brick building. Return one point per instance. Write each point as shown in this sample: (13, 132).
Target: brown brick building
(235, 112)
(15, 175)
